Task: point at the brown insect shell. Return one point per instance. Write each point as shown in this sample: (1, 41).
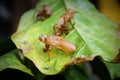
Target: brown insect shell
(48, 10)
(44, 12)
(67, 16)
(62, 22)
(58, 29)
(60, 43)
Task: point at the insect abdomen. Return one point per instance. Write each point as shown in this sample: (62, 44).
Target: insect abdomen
(68, 47)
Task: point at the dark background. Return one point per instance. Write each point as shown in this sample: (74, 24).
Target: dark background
(10, 12)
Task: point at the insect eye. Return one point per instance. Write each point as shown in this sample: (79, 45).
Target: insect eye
(42, 38)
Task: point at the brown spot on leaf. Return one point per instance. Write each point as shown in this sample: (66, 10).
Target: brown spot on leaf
(46, 68)
(118, 30)
(80, 59)
(25, 47)
(117, 58)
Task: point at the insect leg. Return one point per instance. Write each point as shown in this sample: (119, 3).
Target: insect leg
(73, 24)
(46, 48)
(65, 21)
(66, 30)
(48, 56)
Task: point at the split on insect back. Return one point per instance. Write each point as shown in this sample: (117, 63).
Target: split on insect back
(57, 42)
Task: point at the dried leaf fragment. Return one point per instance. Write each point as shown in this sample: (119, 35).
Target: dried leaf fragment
(117, 58)
(80, 59)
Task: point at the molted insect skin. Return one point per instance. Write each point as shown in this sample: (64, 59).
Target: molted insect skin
(66, 17)
(61, 26)
(58, 29)
(44, 13)
(60, 43)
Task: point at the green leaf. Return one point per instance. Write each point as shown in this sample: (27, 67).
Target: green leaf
(93, 35)
(100, 69)
(114, 69)
(75, 73)
(79, 72)
(11, 60)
